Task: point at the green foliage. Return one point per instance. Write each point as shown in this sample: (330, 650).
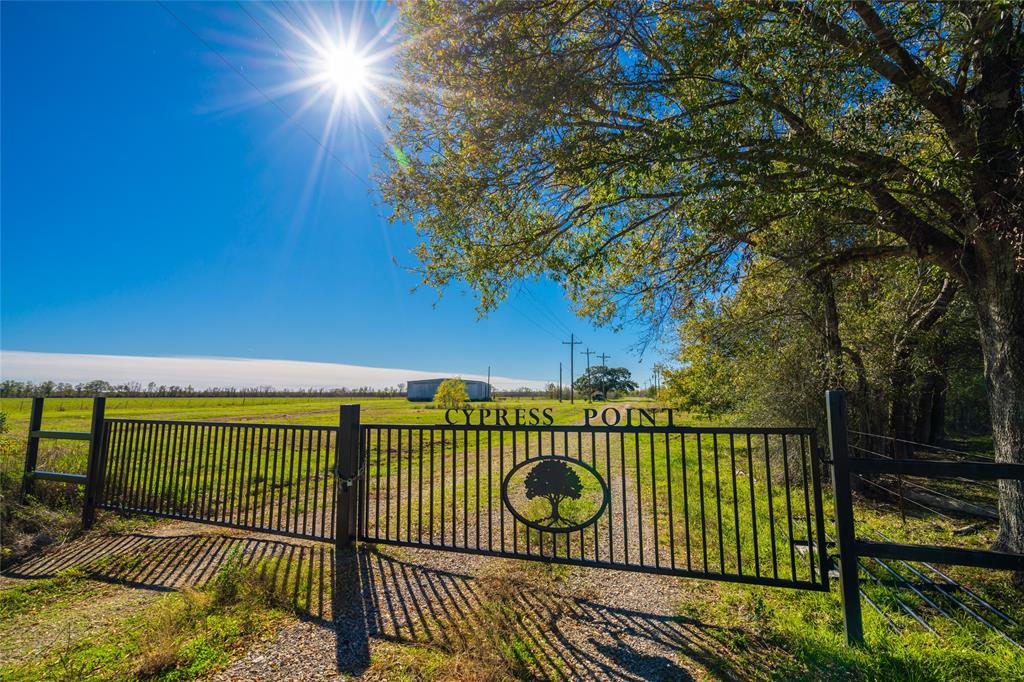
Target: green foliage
(637, 153)
(604, 381)
(35, 594)
(451, 394)
(649, 156)
(705, 383)
(760, 352)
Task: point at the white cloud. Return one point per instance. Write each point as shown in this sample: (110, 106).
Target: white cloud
(203, 372)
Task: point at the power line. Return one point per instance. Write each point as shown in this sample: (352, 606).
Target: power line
(272, 38)
(241, 74)
(543, 309)
(532, 321)
(302, 20)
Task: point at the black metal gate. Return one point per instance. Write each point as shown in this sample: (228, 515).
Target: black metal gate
(267, 477)
(742, 505)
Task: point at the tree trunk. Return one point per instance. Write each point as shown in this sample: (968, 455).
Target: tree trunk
(901, 377)
(900, 380)
(861, 399)
(931, 408)
(825, 285)
(938, 414)
(997, 289)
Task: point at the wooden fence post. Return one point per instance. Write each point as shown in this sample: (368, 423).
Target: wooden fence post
(94, 473)
(346, 469)
(849, 578)
(35, 423)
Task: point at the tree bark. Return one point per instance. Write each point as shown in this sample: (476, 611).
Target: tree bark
(997, 290)
(900, 380)
(862, 399)
(931, 410)
(901, 377)
(825, 285)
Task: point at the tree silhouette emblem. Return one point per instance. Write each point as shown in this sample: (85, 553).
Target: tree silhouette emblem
(555, 479)
(555, 482)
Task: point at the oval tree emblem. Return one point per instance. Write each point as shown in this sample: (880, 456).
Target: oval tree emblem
(555, 493)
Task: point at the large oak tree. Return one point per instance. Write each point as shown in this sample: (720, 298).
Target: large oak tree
(640, 152)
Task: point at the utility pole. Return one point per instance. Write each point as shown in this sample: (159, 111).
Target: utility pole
(559, 382)
(572, 343)
(489, 397)
(604, 359)
(588, 353)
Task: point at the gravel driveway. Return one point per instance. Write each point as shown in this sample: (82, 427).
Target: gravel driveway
(592, 624)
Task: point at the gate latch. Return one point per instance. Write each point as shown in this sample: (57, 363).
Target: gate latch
(346, 482)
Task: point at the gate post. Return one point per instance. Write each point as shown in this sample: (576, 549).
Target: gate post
(346, 467)
(849, 579)
(35, 423)
(94, 473)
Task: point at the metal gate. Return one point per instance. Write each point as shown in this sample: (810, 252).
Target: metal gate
(741, 505)
(272, 478)
(735, 504)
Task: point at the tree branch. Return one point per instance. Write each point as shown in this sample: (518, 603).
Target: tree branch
(859, 254)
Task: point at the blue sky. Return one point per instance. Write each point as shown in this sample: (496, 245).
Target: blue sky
(154, 204)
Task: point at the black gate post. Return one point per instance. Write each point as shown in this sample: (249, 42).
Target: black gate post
(94, 472)
(849, 579)
(346, 467)
(35, 423)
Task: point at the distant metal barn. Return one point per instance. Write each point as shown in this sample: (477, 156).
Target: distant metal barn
(423, 390)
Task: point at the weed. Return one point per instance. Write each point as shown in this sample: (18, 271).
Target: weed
(36, 594)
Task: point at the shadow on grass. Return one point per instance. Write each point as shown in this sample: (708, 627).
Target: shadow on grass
(375, 595)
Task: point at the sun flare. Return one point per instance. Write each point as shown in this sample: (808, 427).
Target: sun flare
(345, 70)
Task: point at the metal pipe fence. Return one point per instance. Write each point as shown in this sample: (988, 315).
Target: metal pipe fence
(852, 548)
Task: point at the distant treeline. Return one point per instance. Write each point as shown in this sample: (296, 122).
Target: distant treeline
(98, 387)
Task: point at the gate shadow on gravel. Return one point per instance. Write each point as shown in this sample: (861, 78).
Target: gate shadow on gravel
(166, 562)
(382, 595)
(568, 636)
(171, 562)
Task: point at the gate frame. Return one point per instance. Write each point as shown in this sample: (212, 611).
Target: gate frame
(93, 477)
(817, 548)
(347, 466)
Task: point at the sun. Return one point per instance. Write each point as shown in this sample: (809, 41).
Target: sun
(346, 70)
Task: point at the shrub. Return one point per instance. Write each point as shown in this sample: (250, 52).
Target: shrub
(451, 394)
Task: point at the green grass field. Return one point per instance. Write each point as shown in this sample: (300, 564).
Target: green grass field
(799, 631)
(73, 414)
